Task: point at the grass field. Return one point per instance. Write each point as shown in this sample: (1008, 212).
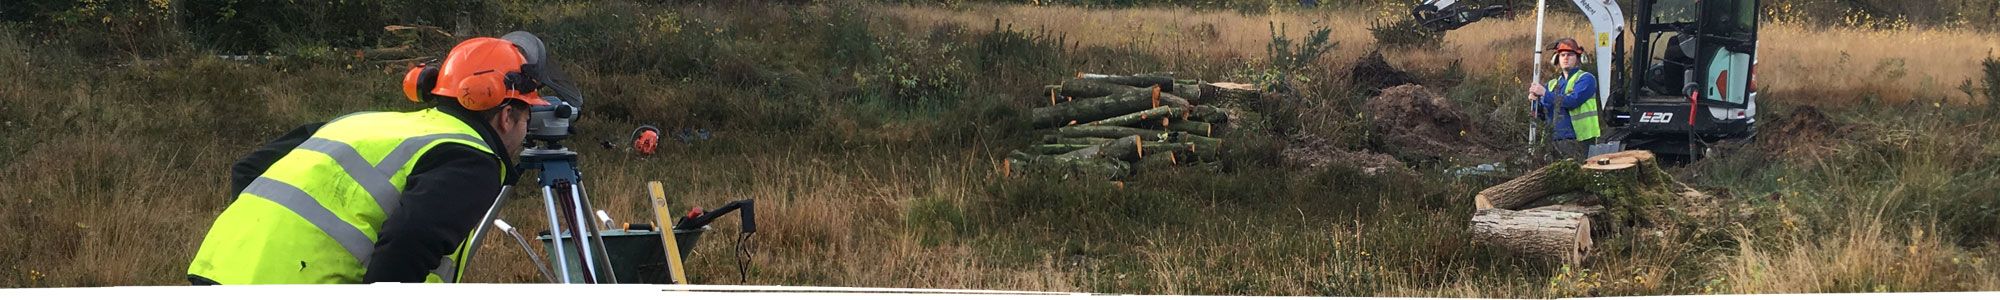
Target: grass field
(869, 135)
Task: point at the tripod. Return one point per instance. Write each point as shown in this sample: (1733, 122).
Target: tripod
(578, 256)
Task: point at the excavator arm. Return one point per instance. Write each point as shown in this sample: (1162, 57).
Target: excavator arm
(1445, 15)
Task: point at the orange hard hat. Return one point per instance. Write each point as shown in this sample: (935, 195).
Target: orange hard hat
(1567, 45)
(480, 73)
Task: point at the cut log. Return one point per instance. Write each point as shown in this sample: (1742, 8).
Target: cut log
(1156, 162)
(1206, 113)
(1587, 210)
(1051, 149)
(1555, 235)
(1228, 92)
(1067, 166)
(1105, 132)
(1172, 100)
(1555, 178)
(1201, 149)
(1156, 113)
(1093, 109)
(1195, 127)
(1124, 149)
(1141, 81)
(1088, 88)
(1189, 91)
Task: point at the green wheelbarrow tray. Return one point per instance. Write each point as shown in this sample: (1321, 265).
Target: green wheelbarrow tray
(636, 255)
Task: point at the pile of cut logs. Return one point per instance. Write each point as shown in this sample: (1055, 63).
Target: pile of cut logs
(1623, 188)
(1107, 127)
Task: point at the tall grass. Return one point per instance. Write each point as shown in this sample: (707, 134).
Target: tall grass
(869, 143)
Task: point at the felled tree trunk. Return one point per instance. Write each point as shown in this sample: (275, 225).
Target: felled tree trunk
(1068, 166)
(1556, 235)
(1093, 109)
(1104, 132)
(1156, 162)
(1195, 127)
(1553, 179)
(1142, 80)
(1192, 92)
(1155, 113)
(1089, 88)
(1124, 149)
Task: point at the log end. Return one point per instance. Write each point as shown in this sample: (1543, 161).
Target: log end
(1480, 202)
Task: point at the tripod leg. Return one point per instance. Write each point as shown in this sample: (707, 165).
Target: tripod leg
(580, 231)
(602, 257)
(555, 235)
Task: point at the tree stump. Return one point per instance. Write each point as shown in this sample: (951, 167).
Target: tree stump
(1555, 235)
(1228, 92)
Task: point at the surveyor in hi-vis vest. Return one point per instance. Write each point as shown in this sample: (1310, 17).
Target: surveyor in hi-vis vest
(1572, 108)
(379, 196)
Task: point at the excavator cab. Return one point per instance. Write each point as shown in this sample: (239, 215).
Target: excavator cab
(1691, 82)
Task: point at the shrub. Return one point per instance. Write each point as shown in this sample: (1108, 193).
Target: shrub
(1288, 56)
(1991, 70)
(267, 25)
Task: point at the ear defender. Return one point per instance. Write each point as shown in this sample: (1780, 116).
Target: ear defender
(419, 81)
(482, 91)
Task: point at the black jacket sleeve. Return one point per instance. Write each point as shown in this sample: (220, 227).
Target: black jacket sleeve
(251, 166)
(449, 189)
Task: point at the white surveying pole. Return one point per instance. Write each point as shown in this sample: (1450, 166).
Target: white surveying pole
(1540, 5)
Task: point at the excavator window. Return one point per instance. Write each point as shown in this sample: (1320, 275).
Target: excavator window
(1675, 11)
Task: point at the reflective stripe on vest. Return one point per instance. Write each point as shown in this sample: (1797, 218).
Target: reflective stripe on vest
(256, 241)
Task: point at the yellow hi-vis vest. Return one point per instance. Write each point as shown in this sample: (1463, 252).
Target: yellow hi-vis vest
(1583, 119)
(313, 216)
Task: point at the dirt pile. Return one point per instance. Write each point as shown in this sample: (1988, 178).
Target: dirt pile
(1416, 125)
(1805, 133)
(1315, 153)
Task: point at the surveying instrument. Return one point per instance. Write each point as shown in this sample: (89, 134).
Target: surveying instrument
(576, 245)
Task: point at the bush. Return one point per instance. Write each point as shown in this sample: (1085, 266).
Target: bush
(251, 26)
(1288, 57)
(1405, 34)
(143, 28)
(674, 46)
(1991, 68)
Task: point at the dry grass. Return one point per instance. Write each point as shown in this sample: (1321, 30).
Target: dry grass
(1798, 62)
(96, 196)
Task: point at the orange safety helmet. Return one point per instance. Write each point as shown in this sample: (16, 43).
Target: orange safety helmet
(1567, 44)
(481, 73)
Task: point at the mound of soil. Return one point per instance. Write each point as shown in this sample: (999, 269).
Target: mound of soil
(1806, 133)
(1316, 153)
(1414, 124)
